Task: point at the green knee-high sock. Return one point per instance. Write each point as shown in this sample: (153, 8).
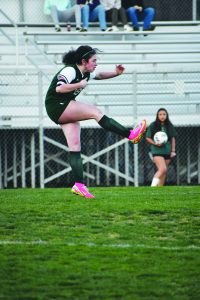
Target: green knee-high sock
(76, 164)
(111, 125)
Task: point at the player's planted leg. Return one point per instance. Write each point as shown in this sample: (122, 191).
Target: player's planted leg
(77, 168)
(81, 190)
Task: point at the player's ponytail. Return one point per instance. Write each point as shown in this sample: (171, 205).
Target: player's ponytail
(76, 56)
(69, 58)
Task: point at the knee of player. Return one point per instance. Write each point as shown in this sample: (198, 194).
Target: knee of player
(75, 146)
(163, 170)
(97, 113)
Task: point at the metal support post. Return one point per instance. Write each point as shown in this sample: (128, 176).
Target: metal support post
(33, 161)
(194, 10)
(117, 166)
(23, 163)
(17, 45)
(5, 163)
(41, 130)
(126, 154)
(107, 172)
(14, 163)
(188, 161)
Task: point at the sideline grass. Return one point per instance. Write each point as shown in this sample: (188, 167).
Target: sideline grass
(127, 243)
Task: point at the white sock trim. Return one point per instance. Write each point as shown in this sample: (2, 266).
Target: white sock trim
(155, 181)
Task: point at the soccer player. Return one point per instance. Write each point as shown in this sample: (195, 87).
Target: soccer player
(63, 109)
(162, 153)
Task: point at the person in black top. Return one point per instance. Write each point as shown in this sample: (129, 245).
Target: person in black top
(137, 11)
(162, 153)
(63, 109)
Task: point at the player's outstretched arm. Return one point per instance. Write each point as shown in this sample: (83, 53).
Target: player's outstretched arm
(119, 69)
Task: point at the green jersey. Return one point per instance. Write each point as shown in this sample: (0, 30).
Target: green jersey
(165, 149)
(56, 103)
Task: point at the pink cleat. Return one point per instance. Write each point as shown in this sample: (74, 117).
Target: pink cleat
(81, 190)
(137, 133)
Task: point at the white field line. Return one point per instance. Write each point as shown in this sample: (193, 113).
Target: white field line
(133, 246)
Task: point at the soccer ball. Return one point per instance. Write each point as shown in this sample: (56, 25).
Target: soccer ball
(160, 137)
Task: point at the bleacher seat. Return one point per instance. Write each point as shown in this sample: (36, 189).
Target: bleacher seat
(161, 69)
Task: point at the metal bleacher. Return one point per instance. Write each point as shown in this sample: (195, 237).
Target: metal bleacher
(162, 69)
(163, 46)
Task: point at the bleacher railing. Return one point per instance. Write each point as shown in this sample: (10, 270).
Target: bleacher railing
(16, 42)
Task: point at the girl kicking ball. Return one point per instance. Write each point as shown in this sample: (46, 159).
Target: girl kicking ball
(63, 109)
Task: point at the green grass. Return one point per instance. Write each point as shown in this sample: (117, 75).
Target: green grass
(127, 243)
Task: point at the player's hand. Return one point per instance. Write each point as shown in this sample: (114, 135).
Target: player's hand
(159, 145)
(173, 154)
(83, 83)
(119, 69)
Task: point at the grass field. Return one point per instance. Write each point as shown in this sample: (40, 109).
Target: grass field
(127, 243)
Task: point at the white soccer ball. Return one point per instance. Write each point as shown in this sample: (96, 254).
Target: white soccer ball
(160, 137)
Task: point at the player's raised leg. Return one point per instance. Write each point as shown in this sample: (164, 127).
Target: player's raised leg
(77, 111)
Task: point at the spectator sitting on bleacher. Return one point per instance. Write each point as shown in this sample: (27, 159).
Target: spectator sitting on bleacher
(138, 12)
(91, 11)
(114, 10)
(63, 11)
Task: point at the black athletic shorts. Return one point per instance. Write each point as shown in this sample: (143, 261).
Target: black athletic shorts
(55, 110)
(165, 156)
